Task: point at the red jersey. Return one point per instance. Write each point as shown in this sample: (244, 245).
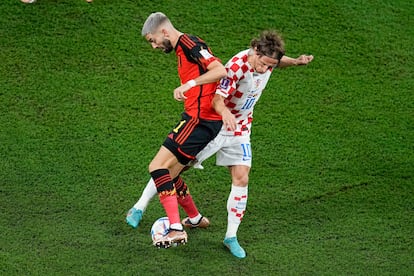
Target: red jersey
(194, 56)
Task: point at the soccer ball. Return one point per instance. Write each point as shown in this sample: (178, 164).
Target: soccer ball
(159, 229)
(28, 1)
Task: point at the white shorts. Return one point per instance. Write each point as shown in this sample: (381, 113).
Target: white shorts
(230, 151)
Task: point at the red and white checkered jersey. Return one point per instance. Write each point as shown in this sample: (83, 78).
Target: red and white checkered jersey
(242, 89)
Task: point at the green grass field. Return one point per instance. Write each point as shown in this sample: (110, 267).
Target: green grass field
(85, 104)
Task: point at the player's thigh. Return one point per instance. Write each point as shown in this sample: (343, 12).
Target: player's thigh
(165, 159)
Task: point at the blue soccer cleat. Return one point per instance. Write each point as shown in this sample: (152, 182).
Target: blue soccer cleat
(134, 217)
(233, 245)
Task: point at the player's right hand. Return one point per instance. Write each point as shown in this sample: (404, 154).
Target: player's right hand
(179, 92)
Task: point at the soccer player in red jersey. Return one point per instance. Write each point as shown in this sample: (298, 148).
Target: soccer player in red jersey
(204, 114)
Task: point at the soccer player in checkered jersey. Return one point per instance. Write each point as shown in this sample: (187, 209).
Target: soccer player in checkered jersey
(199, 71)
(247, 75)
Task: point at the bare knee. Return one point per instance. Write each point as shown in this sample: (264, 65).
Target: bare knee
(242, 180)
(171, 164)
(240, 175)
(152, 166)
(164, 159)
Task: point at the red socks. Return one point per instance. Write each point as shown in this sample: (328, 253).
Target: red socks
(167, 194)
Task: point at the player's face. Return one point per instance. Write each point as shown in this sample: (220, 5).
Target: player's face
(263, 63)
(158, 41)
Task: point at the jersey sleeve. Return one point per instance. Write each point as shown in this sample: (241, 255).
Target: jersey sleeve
(229, 83)
(197, 51)
(202, 55)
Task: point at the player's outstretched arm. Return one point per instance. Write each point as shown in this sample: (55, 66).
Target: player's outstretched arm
(301, 60)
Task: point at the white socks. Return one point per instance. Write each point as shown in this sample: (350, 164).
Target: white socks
(236, 206)
(149, 192)
(196, 219)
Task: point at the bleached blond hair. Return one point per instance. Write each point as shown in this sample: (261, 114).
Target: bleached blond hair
(153, 22)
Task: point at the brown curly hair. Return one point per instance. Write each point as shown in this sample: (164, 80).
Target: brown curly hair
(269, 44)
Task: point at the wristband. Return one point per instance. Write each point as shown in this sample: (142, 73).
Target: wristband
(191, 83)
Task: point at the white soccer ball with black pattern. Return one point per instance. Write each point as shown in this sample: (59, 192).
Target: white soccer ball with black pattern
(159, 229)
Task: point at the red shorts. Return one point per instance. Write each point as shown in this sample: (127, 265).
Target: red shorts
(190, 136)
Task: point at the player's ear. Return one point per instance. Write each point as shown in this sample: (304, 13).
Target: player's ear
(165, 32)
